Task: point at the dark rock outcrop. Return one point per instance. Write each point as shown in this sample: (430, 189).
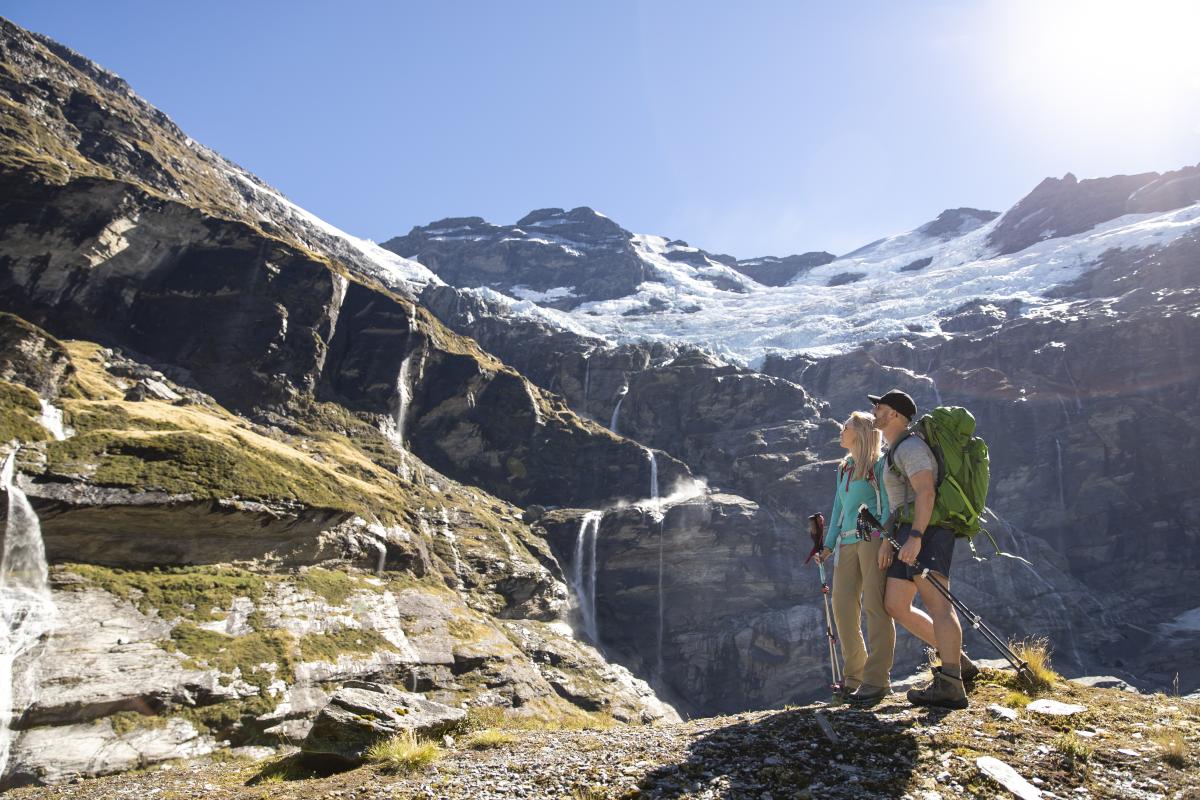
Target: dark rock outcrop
(775, 271)
(361, 714)
(954, 222)
(582, 253)
(1061, 207)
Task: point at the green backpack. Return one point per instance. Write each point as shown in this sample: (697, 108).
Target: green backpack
(962, 469)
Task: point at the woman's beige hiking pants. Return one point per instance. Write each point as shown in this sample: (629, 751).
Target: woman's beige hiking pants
(858, 587)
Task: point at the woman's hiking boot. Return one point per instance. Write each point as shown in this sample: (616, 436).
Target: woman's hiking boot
(944, 691)
(868, 695)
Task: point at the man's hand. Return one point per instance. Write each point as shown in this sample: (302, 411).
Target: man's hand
(824, 555)
(885, 555)
(909, 552)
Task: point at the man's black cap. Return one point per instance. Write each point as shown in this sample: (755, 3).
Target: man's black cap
(898, 400)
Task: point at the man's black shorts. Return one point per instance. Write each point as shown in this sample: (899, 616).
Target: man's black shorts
(937, 551)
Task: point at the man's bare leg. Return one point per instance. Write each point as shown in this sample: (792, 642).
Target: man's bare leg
(898, 602)
(947, 632)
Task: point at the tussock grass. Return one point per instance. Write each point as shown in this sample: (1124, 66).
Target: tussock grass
(483, 718)
(278, 770)
(1073, 747)
(489, 738)
(1017, 700)
(1036, 653)
(1174, 747)
(403, 753)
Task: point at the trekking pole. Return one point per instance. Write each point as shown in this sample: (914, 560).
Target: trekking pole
(816, 528)
(990, 636)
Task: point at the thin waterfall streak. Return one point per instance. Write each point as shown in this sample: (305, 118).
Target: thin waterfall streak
(661, 600)
(612, 426)
(1062, 495)
(583, 576)
(592, 581)
(653, 476)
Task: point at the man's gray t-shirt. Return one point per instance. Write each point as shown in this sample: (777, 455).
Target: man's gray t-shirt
(912, 456)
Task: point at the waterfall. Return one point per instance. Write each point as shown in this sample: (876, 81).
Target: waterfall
(612, 426)
(1062, 496)
(653, 476)
(381, 549)
(404, 390)
(25, 602)
(52, 420)
(1074, 385)
(583, 574)
(662, 605)
(936, 393)
(403, 398)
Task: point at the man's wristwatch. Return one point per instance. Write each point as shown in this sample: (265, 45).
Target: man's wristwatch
(913, 534)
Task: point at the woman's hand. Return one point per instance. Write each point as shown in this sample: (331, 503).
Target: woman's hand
(885, 555)
(824, 555)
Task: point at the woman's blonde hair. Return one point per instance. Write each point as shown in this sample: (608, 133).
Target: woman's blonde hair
(867, 445)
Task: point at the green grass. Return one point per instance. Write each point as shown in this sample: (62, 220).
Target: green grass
(198, 594)
(124, 722)
(205, 466)
(1017, 699)
(328, 646)
(403, 754)
(230, 719)
(245, 653)
(1073, 747)
(334, 585)
(19, 414)
(488, 739)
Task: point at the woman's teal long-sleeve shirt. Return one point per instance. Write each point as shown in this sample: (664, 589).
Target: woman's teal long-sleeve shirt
(851, 494)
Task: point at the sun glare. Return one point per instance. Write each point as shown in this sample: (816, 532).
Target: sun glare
(1126, 68)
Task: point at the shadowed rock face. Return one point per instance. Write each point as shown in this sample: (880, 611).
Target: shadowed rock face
(774, 271)
(580, 250)
(1064, 206)
(1089, 413)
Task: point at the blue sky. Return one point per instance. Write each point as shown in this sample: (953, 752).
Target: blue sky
(754, 128)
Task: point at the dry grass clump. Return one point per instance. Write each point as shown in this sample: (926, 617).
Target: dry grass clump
(1174, 747)
(1017, 700)
(550, 719)
(488, 739)
(403, 753)
(1073, 747)
(1035, 652)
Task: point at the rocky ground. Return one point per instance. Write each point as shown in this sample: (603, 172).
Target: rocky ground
(1118, 746)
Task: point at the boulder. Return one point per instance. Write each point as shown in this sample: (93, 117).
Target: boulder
(361, 714)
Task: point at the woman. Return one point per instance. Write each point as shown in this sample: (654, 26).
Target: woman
(858, 574)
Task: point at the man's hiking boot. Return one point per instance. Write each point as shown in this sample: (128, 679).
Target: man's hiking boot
(943, 691)
(968, 668)
(868, 695)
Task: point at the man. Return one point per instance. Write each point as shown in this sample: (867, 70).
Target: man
(911, 488)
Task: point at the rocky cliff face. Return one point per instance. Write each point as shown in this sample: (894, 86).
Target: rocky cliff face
(298, 460)
(246, 509)
(1061, 207)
